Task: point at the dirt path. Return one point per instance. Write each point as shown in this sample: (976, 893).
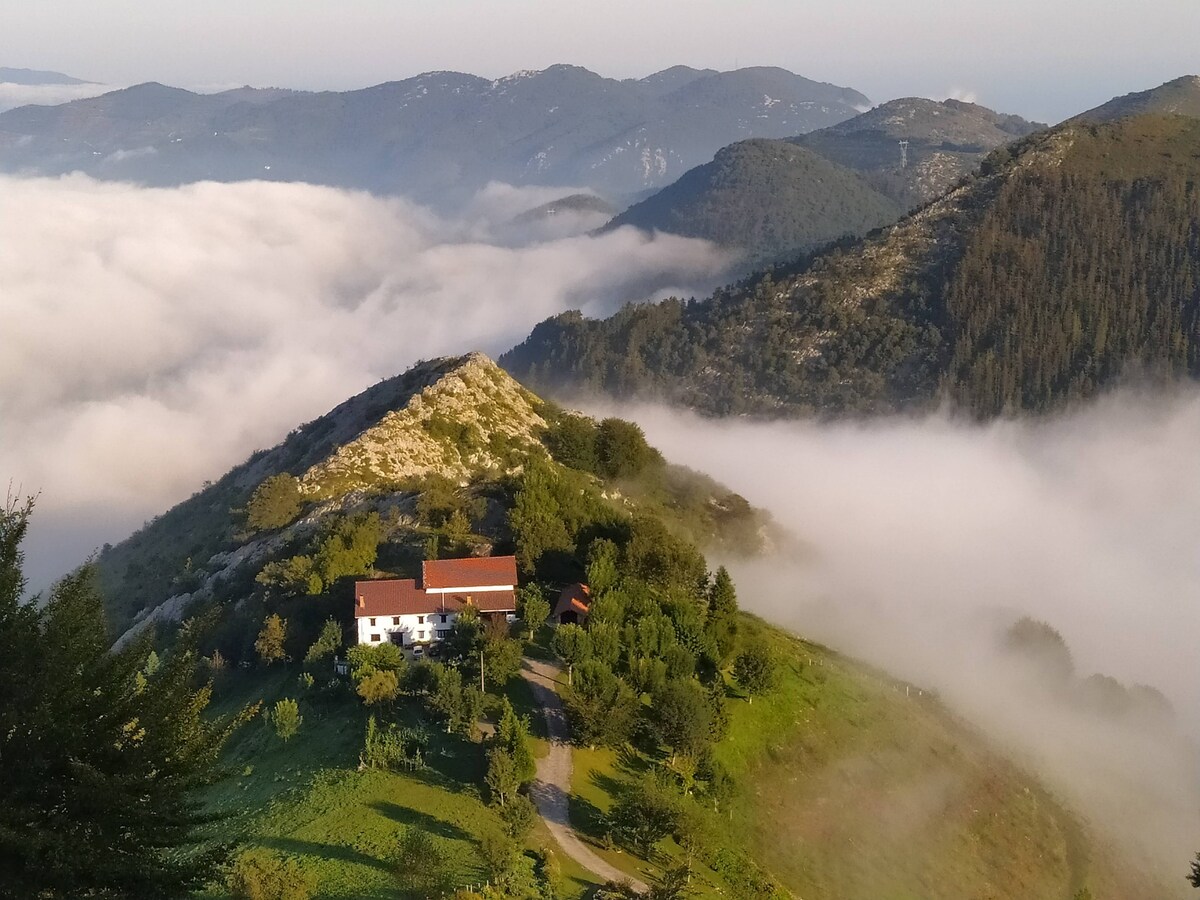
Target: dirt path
(553, 786)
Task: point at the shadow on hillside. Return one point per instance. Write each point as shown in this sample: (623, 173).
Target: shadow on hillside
(339, 852)
(406, 815)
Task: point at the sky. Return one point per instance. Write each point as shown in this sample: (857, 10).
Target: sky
(1043, 60)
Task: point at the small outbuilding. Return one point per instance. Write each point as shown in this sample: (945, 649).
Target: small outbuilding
(573, 605)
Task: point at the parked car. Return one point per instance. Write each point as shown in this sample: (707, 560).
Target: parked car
(418, 652)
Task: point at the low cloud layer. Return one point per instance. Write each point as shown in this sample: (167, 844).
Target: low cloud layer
(152, 338)
(14, 95)
(925, 539)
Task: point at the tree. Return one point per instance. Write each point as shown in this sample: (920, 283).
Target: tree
(643, 815)
(518, 816)
(420, 862)
(99, 782)
(270, 639)
(501, 778)
(1194, 875)
(682, 716)
(286, 718)
(572, 645)
(603, 566)
(461, 705)
(536, 517)
(535, 609)
(501, 660)
(512, 734)
(571, 440)
(755, 670)
(381, 686)
(721, 623)
(327, 644)
(603, 709)
(621, 449)
(275, 503)
(267, 876)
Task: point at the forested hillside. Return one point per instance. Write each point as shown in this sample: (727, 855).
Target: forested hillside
(1069, 261)
(769, 198)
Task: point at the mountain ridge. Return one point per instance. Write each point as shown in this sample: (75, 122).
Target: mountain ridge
(436, 137)
(1008, 294)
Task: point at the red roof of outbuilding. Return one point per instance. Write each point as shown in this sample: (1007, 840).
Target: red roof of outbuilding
(574, 596)
(475, 571)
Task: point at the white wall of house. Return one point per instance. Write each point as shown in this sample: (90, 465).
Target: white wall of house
(482, 589)
(426, 628)
(413, 629)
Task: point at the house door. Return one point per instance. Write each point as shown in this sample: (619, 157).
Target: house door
(397, 638)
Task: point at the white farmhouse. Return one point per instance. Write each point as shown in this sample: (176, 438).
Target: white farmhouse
(400, 611)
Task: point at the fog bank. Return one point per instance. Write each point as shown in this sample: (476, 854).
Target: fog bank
(153, 338)
(926, 538)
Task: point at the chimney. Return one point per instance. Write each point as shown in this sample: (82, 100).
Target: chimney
(362, 601)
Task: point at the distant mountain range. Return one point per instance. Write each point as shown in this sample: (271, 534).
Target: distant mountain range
(1067, 262)
(35, 77)
(437, 137)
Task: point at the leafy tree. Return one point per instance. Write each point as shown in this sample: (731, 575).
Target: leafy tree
(571, 440)
(381, 686)
(270, 639)
(1194, 875)
(501, 660)
(275, 503)
(536, 517)
(286, 718)
(99, 781)
(367, 659)
(603, 566)
(1043, 647)
(647, 675)
(756, 670)
(682, 716)
(327, 644)
(603, 709)
(518, 816)
(267, 876)
(621, 449)
(420, 862)
(460, 705)
(501, 779)
(606, 641)
(643, 815)
(572, 645)
(512, 734)
(535, 609)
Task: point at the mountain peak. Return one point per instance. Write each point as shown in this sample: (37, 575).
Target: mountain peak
(452, 417)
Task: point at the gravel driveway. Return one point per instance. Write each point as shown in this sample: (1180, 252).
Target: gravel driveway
(552, 789)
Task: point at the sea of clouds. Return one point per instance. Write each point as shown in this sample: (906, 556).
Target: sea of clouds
(153, 338)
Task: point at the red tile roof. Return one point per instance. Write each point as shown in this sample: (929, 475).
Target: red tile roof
(476, 571)
(574, 596)
(402, 597)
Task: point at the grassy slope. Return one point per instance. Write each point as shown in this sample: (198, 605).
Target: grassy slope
(852, 788)
(307, 799)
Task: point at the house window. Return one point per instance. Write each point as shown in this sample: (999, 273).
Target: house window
(420, 620)
(395, 620)
(443, 619)
(443, 633)
(374, 638)
(421, 636)
(372, 623)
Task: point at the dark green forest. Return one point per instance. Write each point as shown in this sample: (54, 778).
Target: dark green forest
(1068, 263)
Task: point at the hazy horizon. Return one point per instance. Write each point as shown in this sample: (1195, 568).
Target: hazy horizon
(1023, 57)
